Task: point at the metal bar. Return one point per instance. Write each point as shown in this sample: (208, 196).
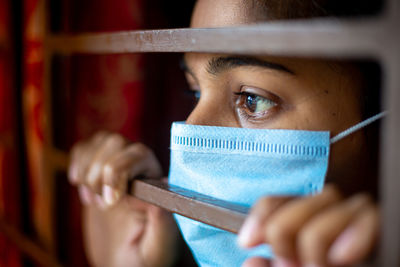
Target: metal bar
(318, 37)
(27, 246)
(48, 189)
(390, 168)
(392, 8)
(215, 212)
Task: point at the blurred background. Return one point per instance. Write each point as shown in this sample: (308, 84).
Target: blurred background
(49, 103)
(46, 106)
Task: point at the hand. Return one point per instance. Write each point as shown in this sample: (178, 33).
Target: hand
(120, 230)
(321, 230)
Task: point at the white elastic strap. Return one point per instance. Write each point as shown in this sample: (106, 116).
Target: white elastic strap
(358, 126)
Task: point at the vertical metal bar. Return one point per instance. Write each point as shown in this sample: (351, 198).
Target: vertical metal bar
(390, 162)
(391, 10)
(390, 165)
(389, 254)
(48, 136)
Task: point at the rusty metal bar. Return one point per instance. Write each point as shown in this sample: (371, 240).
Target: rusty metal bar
(48, 182)
(390, 156)
(215, 212)
(392, 8)
(318, 37)
(390, 168)
(376, 38)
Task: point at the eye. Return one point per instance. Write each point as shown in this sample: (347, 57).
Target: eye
(194, 87)
(253, 103)
(194, 93)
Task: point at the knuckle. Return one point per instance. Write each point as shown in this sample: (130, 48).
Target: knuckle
(359, 201)
(141, 149)
(366, 198)
(333, 191)
(277, 232)
(77, 149)
(94, 173)
(310, 238)
(266, 204)
(110, 175)
(99, 136)
(116, 138)
(92, 184)
(109, 169)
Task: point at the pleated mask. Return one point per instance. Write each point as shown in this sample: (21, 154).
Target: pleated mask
(241, 165)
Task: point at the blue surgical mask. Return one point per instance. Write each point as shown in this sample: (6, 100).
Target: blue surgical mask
(241, 165)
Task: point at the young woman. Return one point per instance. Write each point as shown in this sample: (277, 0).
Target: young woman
(336, 227)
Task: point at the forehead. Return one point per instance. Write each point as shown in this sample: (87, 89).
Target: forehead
(220, 13)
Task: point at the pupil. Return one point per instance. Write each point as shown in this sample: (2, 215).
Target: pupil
(251, 102)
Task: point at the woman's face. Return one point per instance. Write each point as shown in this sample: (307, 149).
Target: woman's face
(275, 92)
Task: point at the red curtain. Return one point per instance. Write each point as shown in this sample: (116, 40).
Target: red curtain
(9, 175)
(92, 93)
(89, 93)
(34, 119)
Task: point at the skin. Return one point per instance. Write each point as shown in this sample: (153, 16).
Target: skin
(120, 230)
(335, 228)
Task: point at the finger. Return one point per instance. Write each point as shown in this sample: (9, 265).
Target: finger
(256, 262)
(281, 262)
(85, 195)
(282, 228)
(111, 145)
(73, 169)
(81, 156)
(134, 160)
(252, 233)
(160, 226)
(357, 241)
(318, 234)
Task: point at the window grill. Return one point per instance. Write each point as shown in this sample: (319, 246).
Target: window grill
(374, 38)
(377, 38)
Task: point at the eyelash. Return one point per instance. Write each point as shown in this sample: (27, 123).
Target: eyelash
(193, 93)
(244, 110)
(241, 105)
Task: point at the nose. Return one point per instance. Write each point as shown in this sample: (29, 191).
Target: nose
(203, 115)
(212, 111)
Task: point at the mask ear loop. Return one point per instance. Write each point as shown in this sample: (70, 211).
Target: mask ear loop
(357, 127)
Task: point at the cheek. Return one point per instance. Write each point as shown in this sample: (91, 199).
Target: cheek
(330, 110)
(349, 165)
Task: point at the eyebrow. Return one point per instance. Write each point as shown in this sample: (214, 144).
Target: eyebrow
(220, 64)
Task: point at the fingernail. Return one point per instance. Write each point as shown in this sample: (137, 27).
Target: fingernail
(339, 250)
(84, 195)
(110, 195)
(94, 172)
(247, 232)
(281, 262)
(73, 174)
